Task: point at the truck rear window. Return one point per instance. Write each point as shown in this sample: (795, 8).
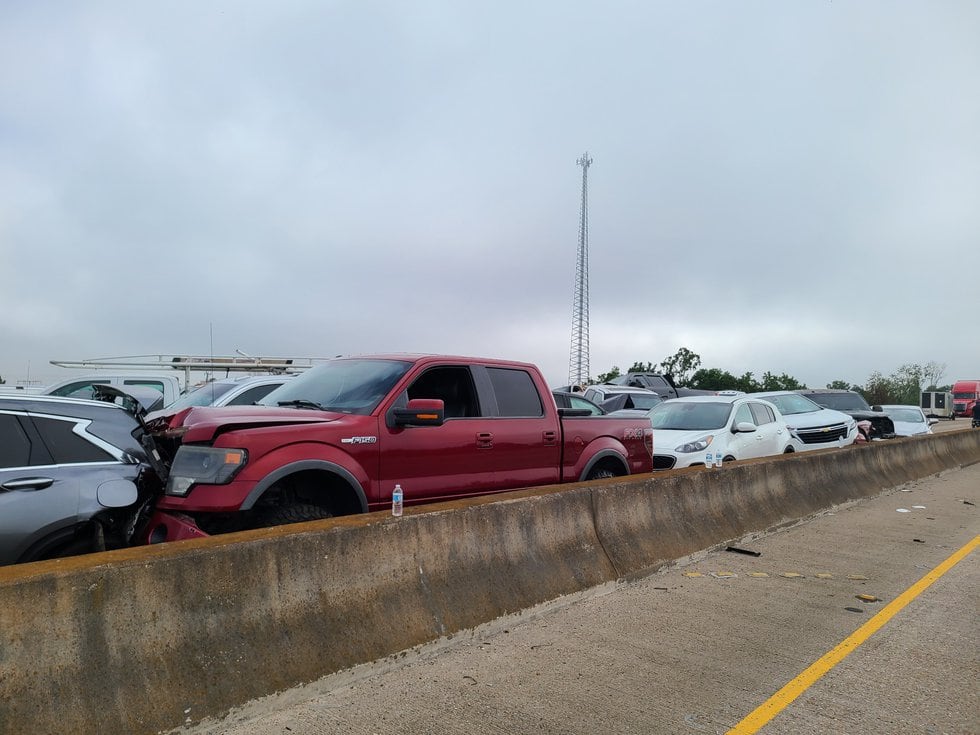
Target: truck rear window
(516, 393)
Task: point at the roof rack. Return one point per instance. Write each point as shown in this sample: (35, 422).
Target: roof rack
(240, 363)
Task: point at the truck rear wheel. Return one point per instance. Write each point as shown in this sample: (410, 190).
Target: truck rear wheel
(599, 473)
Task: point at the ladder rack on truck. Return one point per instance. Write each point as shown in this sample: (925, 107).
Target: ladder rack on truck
(240, 363)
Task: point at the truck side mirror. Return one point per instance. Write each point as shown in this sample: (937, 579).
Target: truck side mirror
(420, 412)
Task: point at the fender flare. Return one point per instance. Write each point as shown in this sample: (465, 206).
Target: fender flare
(303, 465)
(600, 456)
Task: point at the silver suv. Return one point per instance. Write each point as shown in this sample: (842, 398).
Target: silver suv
(73, 477)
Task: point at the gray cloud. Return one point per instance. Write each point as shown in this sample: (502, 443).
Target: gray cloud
(778, 187)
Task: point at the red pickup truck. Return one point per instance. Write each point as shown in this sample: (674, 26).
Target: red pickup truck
(336, 439)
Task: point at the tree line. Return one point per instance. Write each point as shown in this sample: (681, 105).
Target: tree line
(903, 386)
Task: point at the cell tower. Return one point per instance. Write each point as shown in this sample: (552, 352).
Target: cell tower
(578, 364)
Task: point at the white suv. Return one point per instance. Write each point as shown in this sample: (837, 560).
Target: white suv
(689, 430)
(811, 425)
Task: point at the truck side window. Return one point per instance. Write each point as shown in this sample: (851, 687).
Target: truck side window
(155, 384)
(81, 389)
(454, 385)
(516, 393)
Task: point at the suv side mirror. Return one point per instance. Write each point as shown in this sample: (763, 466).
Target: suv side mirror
(420, 412)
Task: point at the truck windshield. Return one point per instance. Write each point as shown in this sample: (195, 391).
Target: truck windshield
(689, 416)
(346, 386)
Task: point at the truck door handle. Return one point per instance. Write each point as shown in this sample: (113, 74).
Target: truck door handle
(484, 440)
(550, 438)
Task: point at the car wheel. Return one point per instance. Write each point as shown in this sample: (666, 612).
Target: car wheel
(293, 513)
(788, 450)
(599, 473)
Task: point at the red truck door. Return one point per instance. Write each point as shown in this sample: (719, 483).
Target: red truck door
(478, 449)
(526, 433)
(445, 461)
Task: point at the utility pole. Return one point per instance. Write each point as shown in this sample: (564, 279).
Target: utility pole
(578, 364)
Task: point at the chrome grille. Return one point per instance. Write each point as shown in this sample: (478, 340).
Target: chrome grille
(822, 434)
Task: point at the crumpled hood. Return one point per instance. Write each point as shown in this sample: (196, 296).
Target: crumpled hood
(203, 423)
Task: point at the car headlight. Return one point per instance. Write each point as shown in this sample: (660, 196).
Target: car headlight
(203, 465)
(698, 445)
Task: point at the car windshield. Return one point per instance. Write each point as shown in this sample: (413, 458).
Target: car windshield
(645, 401)
(842, 401)
(346, 386)
(202, 396)
(690, 416)
(791, 404)
(907, 415)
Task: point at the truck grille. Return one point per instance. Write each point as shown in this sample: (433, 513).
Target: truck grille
(822, 434)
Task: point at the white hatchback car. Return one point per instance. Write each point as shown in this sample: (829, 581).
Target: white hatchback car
(686, 431)
(812, 426)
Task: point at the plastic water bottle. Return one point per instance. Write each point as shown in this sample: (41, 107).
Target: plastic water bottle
(717, 459)
(397, 501)
(708, 460)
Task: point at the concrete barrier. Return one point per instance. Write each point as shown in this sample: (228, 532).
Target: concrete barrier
(142, 640)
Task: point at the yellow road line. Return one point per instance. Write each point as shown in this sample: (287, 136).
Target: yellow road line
(782, 699)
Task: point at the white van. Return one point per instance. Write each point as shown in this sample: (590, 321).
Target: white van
(937, 404)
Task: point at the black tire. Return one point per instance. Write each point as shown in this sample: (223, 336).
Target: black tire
(599, 473)
(788, 450)
(293, 513)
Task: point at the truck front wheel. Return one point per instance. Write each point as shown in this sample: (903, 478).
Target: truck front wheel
(292, 513)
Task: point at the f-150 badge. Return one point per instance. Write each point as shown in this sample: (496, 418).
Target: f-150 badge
(360, 440)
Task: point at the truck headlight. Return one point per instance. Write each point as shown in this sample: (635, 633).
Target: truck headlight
(698, 445)
(203, 465)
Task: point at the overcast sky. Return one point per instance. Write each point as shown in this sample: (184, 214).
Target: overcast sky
(781, 186)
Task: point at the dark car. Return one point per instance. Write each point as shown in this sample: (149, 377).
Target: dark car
(853, 404)
(568, 400)
(73, 477)
(640, 402)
